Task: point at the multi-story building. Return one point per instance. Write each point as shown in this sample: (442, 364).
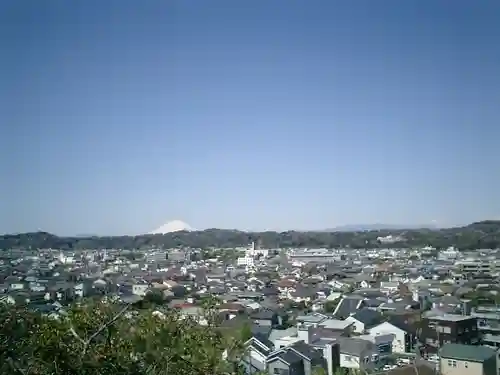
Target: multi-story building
(476, 266)
(256, 250)
(436, 331)
(488, 318)
(178, 256)
(314, 255)
(449, 254)
(156, 256)
(245, 262)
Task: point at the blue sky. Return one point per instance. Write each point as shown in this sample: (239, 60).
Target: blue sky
(118, 116)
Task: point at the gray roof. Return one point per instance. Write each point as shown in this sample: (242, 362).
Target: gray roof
(312, 318)
(307, 351)
(469, 353)
(295, 353)
(279, 333)
(347, 306)
(289, 357)
(368, 317)
(353, 346)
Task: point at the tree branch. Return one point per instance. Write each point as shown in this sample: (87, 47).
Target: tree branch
(87, 342)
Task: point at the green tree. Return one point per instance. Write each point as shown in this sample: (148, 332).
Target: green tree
(246, 332)
(318, 370)
(154, 297)
(110, 340)
(330, 306)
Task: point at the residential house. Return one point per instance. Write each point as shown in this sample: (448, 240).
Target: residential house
(276, 335)
(365, 319)
(266, 317)
(404, 334)
(270, 291)
(389, 287)
(348, 306)
(256, 353)
(16, 286)
(81, 289)
(217, 275)
(313, 319)
(285, 286)
(459, 359)
(357, 354)
(364, 281)
(399, 306)
(195, 312)
(140, 289)
(333, 296)
(383, 343)
(302, 294)
(354, 353)
(343, 327)
(338, 284)
(299, 358)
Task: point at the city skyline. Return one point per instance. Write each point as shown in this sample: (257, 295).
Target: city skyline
(261, 115)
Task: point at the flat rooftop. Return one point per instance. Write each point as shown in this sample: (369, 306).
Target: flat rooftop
(451, 317)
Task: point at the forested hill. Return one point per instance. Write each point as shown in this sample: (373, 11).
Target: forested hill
(479, 235)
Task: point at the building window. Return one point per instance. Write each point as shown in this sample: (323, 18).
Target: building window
(446, 330)
(452, 363)
(348, 358)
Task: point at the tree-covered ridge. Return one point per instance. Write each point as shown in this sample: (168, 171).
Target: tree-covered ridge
(479, 235)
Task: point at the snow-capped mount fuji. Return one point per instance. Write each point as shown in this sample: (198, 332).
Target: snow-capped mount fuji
(172, 226)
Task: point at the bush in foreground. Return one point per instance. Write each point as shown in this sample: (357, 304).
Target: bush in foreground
(105, 339)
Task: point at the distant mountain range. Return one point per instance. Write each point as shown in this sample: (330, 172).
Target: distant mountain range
(479, 235)
(178, 226)
(369, 227)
